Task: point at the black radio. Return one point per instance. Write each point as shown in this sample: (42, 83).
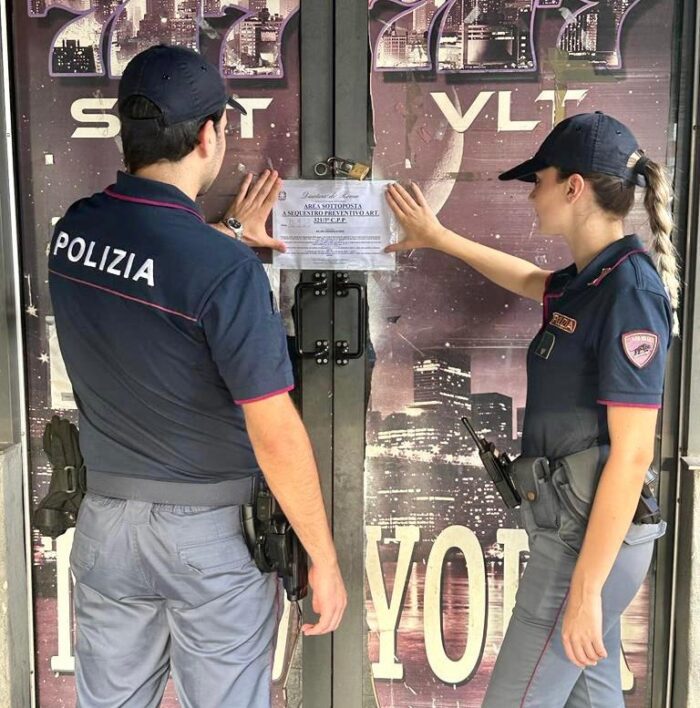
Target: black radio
(497, 466)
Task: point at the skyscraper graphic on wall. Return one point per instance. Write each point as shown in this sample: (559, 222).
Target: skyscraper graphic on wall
(497, 35)
(425, 470)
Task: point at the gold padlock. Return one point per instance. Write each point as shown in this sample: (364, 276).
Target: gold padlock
(342, 168)
(358, 171)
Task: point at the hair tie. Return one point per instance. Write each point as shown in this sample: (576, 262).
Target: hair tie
(640, 167)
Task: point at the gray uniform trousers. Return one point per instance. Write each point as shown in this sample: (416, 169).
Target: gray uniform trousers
(532, 669)
(162, 588)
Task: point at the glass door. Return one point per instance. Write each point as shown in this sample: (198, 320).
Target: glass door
(460, 92)
(67, 58)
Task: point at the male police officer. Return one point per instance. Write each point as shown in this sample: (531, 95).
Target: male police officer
(178, 361)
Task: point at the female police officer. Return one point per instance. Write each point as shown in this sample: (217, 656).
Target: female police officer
(595, 379)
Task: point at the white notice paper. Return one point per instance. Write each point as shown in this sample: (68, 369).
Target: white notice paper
(334, 224)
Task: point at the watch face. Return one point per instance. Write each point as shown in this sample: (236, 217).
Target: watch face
(233, 223)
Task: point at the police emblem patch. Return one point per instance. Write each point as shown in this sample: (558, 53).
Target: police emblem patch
(640, 347)
(566, 324)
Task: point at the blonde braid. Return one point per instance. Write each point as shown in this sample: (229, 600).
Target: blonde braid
(657, 201)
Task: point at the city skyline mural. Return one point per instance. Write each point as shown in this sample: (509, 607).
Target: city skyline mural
(495, 35)
(105, 34)
(444, 556)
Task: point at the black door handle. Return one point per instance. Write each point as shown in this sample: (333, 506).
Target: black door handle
(319, 287)
(343, 287)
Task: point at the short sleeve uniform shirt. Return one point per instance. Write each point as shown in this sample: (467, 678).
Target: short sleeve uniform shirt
(603, 341)
(166, 327)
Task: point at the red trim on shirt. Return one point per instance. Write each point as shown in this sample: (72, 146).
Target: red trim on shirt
(544, 649)
(545, 305)
(125, 297)
(152, 202)
(606, 271)
(625, 404)
(267, 395)
(546, 297)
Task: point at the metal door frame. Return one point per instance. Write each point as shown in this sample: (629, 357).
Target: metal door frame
(352, 129)
(334, 121)
(316, 51)
(668, 449)
(18, 642)
(681, 425)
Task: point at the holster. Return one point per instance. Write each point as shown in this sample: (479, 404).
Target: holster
(560, 494)
(576, 476)
(273, 543)
(581, 474)
(58, 510)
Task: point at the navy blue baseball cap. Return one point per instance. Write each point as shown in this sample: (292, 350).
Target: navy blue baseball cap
(179, 81)
(588, 143)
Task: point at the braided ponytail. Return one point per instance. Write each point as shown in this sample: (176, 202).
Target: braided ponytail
(657, 200)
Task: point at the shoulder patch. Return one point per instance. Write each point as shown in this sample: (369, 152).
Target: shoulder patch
(567, 324)
(640, 346)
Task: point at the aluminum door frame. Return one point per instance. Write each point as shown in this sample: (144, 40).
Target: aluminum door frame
(334, 119)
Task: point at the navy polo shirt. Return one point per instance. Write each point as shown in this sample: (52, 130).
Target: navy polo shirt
(603, 341)
(166, 327)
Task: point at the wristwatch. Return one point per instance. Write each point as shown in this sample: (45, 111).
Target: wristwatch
(235, 226)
